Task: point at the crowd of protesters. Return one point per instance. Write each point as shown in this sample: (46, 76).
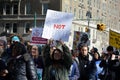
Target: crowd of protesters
(21, 60)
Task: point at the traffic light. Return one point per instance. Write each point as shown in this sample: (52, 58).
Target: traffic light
(87, 29)
(101, 27)
(98, 26)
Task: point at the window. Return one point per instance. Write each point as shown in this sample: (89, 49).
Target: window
(1, 9)
(7, 8)
(7, 27)
(14, 27)
(27, 28)
(44, 1)
(94, 34)
(65, 8)
(79, 13)
(41, 24)
(45, 7)
(15, 7)
(75, 13)
(94, 3)
(90, 2)
(70, 9)
(82, 14)
(104, 6)
(28, 8)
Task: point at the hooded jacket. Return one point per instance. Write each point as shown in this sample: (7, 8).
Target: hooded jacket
(57, 70)
(22, 68)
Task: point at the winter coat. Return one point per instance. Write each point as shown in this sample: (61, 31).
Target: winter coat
(22, 68)
(87, 68)
(74, 71)
(2, 68)
(57, 70)
(110, 68)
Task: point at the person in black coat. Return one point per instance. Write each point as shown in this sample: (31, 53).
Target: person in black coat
(3, 70)
(110, 64)
(21, 65)
(87, 65)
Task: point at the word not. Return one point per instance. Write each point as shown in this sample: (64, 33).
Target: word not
(59, 26)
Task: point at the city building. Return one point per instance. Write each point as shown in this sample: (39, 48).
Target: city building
(101, 11)
(19, 16)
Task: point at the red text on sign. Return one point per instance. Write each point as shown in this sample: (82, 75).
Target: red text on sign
(59, 26)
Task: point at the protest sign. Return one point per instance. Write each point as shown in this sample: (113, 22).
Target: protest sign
(3, 38)
(57, 25)
(36, 36)
(114, 39)
(80, 38)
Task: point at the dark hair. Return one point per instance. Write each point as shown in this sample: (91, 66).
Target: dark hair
(109, 48)
(54, 52)
(81, 45)
(84, 37)
(39, 49)
(95, 49)
(19, 48)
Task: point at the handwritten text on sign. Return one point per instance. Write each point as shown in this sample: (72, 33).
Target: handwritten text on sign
(59, 26)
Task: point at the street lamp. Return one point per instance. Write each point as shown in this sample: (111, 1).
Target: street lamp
(88, 14)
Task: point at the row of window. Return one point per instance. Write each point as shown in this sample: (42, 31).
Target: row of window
(14, 8)
(10, 9)
(12, 28)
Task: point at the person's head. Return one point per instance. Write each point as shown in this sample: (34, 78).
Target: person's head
(18, 49)
(2, 46)
(74, 53)
(84, 38)
(110, 50)
(96, 56)
(84, 50)
(35, 51)
(94, 50)
(57, 54)
(15, 38)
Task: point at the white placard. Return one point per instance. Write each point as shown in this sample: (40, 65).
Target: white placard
(57, 25)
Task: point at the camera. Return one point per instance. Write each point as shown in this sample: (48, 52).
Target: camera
(116, 56)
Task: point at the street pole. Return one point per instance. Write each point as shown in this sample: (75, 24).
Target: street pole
(88, 14)
(35, 20)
